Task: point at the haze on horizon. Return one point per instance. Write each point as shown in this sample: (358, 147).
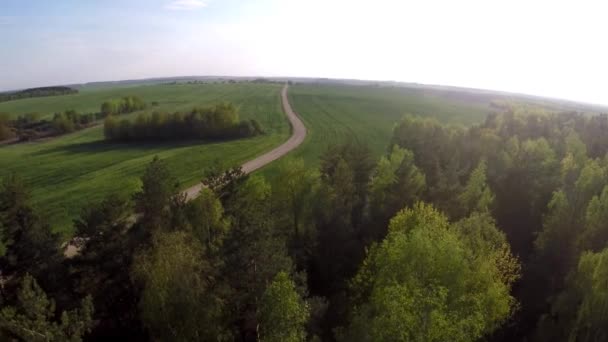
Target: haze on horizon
(547, 48)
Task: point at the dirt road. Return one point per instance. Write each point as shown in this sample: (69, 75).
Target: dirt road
(298, 133)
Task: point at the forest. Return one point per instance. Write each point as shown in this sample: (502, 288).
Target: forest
(493, 232)
(36, 92)
(216, 122)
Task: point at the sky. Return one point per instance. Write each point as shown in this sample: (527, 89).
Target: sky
(541, 47)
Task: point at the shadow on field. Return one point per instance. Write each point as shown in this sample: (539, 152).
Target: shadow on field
(102, 146)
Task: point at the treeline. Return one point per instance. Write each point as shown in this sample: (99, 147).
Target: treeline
(6, 130)
(493, 232)
(37, 92)
(70, 120)
(30, 127)
(218, 122)
(127, 104)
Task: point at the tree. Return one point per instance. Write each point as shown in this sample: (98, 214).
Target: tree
(253, 251)
(338, 250)
(486, 242)
(224, 183)
(423, 283)
(395, 184)
(595, 234)
(106, 246)
(110, 127)
(579, 312)
(29, 244)
(158, 187)
(523, 190)
(179, 300)
(359, 161)
(293, 192)
(477, 195)
(33, 318)
(207, 220)
(282, 314)
(5, 131)
(62, 123)
(109, 108)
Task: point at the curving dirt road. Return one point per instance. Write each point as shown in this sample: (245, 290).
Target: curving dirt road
(298, 133)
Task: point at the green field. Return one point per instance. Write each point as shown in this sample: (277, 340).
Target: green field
(335, 113)
(170, 97)
(72, 171)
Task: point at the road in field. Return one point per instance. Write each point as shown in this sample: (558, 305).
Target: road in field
(298, 133)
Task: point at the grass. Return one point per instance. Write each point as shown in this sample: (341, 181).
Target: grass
(169, 97)
(335, 113)
(79, 169)
(69, 172)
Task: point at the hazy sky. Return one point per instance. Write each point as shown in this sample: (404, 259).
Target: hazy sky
(544, 47)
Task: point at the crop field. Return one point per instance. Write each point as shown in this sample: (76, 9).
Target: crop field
(69, 172)
(169, 97)
(335, 113)
(75, 170)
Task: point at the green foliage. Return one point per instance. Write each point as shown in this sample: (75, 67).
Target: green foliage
(477, 196)
(158, 187)
(293, 191)
(34, 317)
(253, 251)
(579, 312)
(5, 130)
(337, 248)
(395, 184)
(218, 122)
(37, 92)
(62, 124)
(127, 104)
(102, 224)
(69, 171)
(179, 301)
(70, 120)
(282, 314)
(206, 216)
(595, 235)
(27, 242)
(423, 282)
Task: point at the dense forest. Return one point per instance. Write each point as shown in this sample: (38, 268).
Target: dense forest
(36, 92)
(217, 122)
(494, 232)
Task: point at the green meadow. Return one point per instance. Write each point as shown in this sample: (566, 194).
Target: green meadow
(335, 113)
(72, 171)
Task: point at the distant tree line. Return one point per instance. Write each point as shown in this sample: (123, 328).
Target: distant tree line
(6, 130)
(127, 104)
(70, 120)
(36, 92)
(30, 127)
(218, 122)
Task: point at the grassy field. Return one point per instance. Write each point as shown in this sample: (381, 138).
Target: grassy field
(79, 169)
(169, 97)
(72, 171)
(334, 113)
